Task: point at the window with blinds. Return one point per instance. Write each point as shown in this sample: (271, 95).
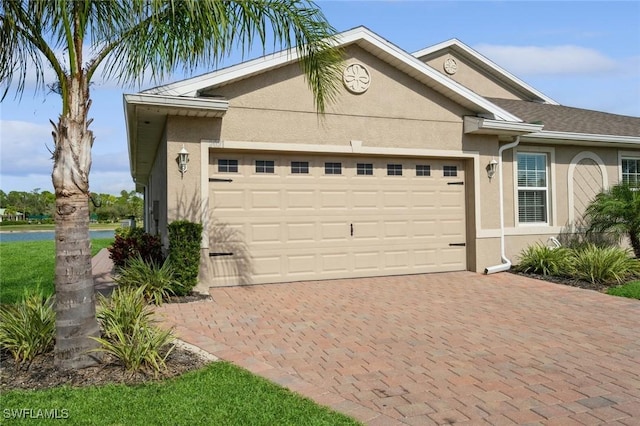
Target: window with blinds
(631, 171)
(533, 188)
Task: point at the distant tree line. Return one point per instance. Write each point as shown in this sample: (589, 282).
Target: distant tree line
(39, 205)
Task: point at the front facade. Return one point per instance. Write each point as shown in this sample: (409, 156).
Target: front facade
(431, 162)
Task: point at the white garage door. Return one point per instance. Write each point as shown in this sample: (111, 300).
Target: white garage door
(291, 218)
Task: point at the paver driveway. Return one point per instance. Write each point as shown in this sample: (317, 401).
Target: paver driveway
(433, 349)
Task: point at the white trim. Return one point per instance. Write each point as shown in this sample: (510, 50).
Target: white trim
(206, 104)
(575, 138)
(478, 125)
(552, 217)
(584, 155)
(357, 148)
(514, 232)
(204, 194)
(625, 154)
(458, 46)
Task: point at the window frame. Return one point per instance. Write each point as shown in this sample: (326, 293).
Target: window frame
(267, 169)
(366, 169)
(630, 157)
(447, 169)
(547, 188)
(299, 167)
(424, 171)
(227, 166)
(394, 169)
(331, 171)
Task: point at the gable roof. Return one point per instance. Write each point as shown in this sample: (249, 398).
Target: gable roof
(364, 38)
(559, 118)
(486, 65)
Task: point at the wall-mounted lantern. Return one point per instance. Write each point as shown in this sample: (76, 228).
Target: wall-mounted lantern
(183, 160)
(491, 168)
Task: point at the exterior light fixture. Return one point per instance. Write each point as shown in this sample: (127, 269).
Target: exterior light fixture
(491, 168)
(183, 160)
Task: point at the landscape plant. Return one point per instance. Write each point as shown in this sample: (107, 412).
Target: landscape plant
(603, 265)
(185, 239)
(156, 280)
(542, 260)
(616, 211)
(129, 40)
(130, 333)
(130, 243)
(27, 329)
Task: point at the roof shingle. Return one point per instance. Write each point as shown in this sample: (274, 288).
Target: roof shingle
(559, 118)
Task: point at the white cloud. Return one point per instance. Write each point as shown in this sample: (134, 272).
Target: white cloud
(25, 148)
(557, 60)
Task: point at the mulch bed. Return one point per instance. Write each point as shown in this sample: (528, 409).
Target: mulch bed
(566, 281)
(42, 374)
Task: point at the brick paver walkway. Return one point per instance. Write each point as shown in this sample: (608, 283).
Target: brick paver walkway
(448, 348)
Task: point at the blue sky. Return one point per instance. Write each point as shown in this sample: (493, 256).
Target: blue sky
(582, 54)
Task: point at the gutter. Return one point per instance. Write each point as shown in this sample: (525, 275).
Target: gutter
(506, 263)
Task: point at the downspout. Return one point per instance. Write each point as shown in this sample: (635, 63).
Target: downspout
(506, 263)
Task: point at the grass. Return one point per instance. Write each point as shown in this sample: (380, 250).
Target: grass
(29, 264)
(630, 290)
(51, 227)
(220, 393)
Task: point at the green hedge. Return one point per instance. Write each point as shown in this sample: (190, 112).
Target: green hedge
(184, 253)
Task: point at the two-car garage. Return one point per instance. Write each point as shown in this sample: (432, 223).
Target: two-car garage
(279, 218)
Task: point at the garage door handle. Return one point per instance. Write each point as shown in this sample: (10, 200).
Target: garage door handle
(220, 254)
(352, 229)
(455, 183)
(457, 244)
(220, 180)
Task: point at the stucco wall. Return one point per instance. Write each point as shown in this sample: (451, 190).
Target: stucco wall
(396, 111)
(470, 76)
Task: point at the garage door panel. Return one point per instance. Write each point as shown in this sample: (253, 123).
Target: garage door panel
(367, 261)
(301, 232)
(301, 200)
(335, 262)
(335, 231)
(265, 200)
(396, 259)
(265, 233)
(365, 200)
(289, 227)
(301, 265)
(396, 229)
(366, 231)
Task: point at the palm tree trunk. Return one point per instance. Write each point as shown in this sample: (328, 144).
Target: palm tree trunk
(75, 297)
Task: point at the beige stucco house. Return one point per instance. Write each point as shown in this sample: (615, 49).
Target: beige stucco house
(427, 162)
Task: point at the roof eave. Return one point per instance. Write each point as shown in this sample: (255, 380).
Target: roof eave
(159, 105)
(586, 139)
(485, 126)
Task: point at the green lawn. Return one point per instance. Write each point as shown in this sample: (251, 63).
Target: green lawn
(31, 263)
(630, 290)
(51, 227)
(219, 394)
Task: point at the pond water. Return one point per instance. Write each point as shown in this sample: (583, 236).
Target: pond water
(9, 237)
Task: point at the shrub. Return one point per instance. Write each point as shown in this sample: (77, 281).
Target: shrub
(28, 328)
(543, 260)
(609, 265)
(184, 253)
(130, 333)
(157, 281)
(133, 242)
